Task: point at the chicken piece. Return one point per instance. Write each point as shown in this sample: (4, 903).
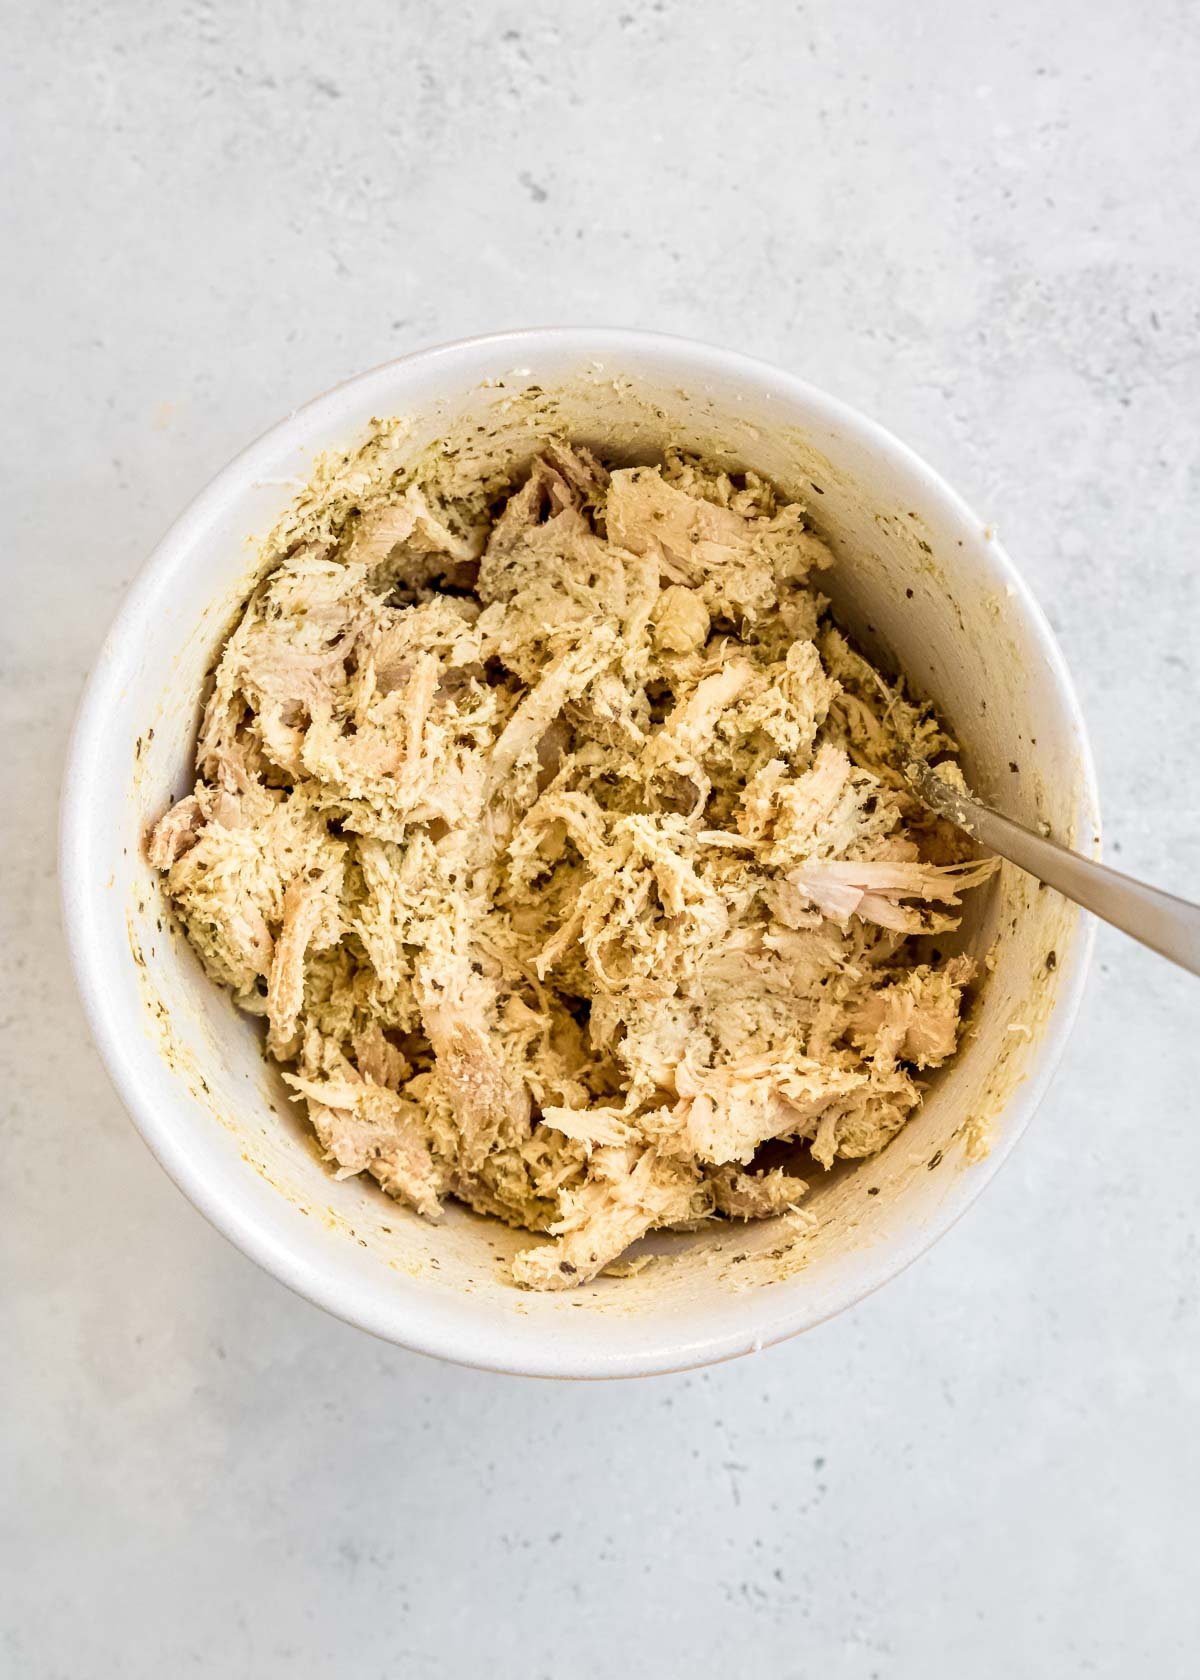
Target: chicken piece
(592, 1126)
(877, 724)
(726, 1113)
(696, 542)
(310, 917)
(680, 619)
(561, 479)
(691, 536)
(378, 1060)
(175, 832)
(684, 737)
(486, 1094)
(647, 912)
(489, 1101)
(229, 886)
(789, 705)
(866, 1122)
(818, 814)
(364, 1127)
(754, 1195)
(914, 1018)
(564, 680)
(412, 522)
(841, 889)
(625, 1195)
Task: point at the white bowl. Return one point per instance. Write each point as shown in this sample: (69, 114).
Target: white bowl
(922, 583)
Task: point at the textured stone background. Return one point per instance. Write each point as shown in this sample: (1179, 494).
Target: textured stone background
(978, 222)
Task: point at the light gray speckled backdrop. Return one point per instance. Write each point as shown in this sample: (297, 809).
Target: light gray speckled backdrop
(979, 223)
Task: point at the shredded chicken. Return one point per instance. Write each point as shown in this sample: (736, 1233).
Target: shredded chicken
(564, 848)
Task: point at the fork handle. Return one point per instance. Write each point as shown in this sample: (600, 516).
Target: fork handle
(1168, 925)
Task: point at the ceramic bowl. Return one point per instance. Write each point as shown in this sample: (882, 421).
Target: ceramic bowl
(920, 581)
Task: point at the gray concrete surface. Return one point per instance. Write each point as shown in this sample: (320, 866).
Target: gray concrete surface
(978, 223)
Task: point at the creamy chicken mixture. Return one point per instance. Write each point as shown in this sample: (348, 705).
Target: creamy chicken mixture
(561, 842)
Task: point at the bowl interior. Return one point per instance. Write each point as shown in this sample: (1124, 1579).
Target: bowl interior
(919, 582)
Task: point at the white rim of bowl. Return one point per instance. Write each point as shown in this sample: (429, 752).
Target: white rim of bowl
(494, 1350)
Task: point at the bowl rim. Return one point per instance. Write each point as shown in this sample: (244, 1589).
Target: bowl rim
(91, 955)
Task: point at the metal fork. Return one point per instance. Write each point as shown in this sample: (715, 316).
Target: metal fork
(1168, 925)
